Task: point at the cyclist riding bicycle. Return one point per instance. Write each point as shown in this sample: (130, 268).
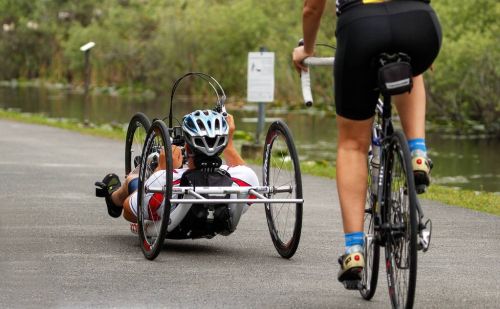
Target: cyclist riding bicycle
(207, 134)
(366, 29)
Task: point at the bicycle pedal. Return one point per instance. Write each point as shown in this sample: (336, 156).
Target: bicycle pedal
(352, 284)
(101, 190)
(424, 236)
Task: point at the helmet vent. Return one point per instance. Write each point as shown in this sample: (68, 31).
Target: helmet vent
(211, 141)
(200, 124)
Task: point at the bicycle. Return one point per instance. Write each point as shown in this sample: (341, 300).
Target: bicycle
(280, 192)
(393, 215)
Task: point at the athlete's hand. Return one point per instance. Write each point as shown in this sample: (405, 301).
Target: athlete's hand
(176, 158)
(298, 55)
(231, 125)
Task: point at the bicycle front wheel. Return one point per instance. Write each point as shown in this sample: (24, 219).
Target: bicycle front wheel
(136, 135)
(155, 190)
(401, 221)
(281, 169)
(372, 248)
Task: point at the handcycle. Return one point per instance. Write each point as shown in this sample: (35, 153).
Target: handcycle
(198, 212)
(394, 218)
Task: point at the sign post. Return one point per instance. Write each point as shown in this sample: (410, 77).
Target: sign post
(260, 83)
(86, 50)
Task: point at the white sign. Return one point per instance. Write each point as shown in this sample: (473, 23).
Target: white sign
(87, 46)
(260, 77)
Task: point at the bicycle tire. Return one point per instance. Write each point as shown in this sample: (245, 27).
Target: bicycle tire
(137, 129)
(281, 167)
(401, 217)
(151, 235)
(369, 277)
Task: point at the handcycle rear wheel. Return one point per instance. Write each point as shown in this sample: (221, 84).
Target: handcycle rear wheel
(281, 168)
(401, 217)
(372, 248)
(136, 135)
(153, 217)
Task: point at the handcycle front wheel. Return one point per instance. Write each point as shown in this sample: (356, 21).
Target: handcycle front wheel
(153, 198)
(281, 168)
(372, 248)
(401, 218)
(136, 135)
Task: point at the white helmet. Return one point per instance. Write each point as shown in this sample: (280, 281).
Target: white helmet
(206, 131)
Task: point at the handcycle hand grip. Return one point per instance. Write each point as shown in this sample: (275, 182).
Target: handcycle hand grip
(305, 77)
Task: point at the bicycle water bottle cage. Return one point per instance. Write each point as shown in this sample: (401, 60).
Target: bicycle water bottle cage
(394, 74)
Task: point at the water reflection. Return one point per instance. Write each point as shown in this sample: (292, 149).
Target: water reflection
(464, 163)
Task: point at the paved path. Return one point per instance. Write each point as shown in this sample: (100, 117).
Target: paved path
(59, 248)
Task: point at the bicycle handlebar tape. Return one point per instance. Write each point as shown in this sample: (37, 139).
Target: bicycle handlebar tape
(305, 79)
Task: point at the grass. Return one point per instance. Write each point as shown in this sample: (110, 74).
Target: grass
(481, 201)
(477, 200)
(107, 131)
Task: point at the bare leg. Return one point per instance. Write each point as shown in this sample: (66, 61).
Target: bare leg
(411, 109)
(353, 143)
(118, 197)
(127, 212)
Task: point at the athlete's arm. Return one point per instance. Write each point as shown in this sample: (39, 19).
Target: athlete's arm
(176, 158)
(231, 156)
(311, 19)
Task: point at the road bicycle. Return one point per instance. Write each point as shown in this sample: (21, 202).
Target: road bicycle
(394, 218)
(190, 212)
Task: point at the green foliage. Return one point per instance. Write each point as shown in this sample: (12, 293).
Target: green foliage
(143, 44)
(465, 84)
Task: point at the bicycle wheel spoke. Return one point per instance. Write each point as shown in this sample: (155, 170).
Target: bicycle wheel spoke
(281, 176)
(372, 250)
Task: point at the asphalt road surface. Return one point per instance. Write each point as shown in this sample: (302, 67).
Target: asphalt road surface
(60, 249)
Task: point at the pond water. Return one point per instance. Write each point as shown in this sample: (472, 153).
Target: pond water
(458, 162)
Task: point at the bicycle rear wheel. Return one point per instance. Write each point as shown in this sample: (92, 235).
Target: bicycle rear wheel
(372, 248)
(154, 193)
(136, 135)
(401, 219)
(281, 168)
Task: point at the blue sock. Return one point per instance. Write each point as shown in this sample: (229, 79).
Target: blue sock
(417, 144)
(354, 240)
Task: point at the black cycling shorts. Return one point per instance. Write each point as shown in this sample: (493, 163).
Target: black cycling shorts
(364, 32)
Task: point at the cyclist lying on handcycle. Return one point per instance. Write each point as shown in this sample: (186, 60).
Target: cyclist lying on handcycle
(207, 135)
